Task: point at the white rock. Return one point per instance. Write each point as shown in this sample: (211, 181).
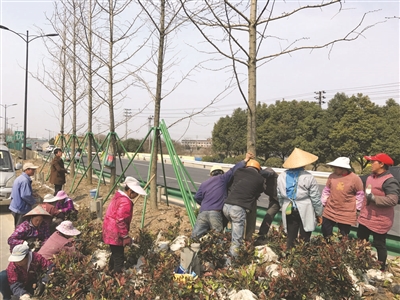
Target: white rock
(370, 288)
(178, 243)
(25, 297)
(163, 246)
(100, 258)
(243, 295)
(374, 275)
(359, 288)
(272, 270)
(265, 253)
(139, 264)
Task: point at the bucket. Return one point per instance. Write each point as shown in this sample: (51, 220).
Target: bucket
(93, 193)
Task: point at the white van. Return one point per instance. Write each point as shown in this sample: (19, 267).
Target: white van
(7, 175)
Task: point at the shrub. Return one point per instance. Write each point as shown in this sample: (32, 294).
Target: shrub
(274, 162)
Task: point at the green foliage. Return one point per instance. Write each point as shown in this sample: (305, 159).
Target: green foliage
(327, 260)
(229, 134)
(351, 126)
(80, 279)
(274, 162)
(218, 158)
(130, 145)
(233, 160)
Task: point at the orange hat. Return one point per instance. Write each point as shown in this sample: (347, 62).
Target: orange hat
(253, 163)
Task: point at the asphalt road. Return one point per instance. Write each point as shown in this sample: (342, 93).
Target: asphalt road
(140, 169)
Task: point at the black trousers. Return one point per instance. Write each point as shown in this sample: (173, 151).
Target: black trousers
(327, 228)
(57, 188)
(273, 208)
(293, 226)
(379, 242)
(117, 258)
(18, 218)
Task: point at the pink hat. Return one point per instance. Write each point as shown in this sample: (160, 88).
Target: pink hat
(60, 195)
(67, 228)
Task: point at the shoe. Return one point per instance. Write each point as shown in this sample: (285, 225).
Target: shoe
(260, 241)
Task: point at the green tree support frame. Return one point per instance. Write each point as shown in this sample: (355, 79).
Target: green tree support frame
(184, 180)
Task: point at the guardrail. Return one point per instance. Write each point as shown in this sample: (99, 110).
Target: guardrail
(207, 165)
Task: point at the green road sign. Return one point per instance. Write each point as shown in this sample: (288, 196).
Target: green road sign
(18, 136)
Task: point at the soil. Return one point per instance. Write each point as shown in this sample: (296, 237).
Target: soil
(155, 220)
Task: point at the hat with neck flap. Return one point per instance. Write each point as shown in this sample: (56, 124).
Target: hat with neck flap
(299, 158)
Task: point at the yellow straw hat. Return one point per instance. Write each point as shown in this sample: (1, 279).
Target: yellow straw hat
(299, 158)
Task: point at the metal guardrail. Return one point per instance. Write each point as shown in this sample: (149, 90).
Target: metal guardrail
(206, 165)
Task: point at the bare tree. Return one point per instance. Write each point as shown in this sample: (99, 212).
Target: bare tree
(117, 36)
(236, 30)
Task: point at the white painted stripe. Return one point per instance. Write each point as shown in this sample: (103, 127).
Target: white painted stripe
(177, 179)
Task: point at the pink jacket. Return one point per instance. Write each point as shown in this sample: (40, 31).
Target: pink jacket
(117, 219)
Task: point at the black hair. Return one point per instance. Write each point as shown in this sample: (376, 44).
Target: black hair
(217, 172)
(57, 150)
(127, 188)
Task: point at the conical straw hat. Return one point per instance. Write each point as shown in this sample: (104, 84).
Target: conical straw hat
(299, 158)
(37, 211)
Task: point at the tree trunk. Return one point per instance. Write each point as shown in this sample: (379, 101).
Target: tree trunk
(113, 147)
(251, 116)
(157, 108)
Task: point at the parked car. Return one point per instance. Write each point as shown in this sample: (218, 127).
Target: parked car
(7, 175)
(49, 148)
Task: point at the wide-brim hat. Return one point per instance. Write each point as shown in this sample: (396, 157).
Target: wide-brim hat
(341, 162)
(18, 253)
(29, 165)
(299, 158)
(49, 198)
(60, 195)
(67, 228)
(37, 211)
(134, 185)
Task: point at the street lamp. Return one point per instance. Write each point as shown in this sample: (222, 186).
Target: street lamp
(5, 118)
(27, 41)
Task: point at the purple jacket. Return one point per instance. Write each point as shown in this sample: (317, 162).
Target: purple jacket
(21, 279)
(212, 192)
(26, 230)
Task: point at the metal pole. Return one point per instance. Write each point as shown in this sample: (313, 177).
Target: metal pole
(5, 122)
(26, 96)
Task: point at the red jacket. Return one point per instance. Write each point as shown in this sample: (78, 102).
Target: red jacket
(117, 219)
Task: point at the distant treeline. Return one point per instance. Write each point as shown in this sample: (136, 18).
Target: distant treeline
(350, 126)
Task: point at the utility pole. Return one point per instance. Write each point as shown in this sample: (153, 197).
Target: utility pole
(127, 115)
(319, 97)
(150, 118)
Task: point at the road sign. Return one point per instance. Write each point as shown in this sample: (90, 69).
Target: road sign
(9, 138)
(18, 136)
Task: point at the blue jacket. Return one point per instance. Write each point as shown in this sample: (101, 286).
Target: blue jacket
(212, 192)
(21, 195)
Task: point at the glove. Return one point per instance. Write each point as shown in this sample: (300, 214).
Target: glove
(319, 220)
(126, 241)
(370, 198)
(39, 290)
(25, 297)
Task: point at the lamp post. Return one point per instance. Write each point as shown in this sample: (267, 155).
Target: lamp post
(27, 40)
(5, 118)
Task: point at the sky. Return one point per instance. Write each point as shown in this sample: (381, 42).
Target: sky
(369, 65)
